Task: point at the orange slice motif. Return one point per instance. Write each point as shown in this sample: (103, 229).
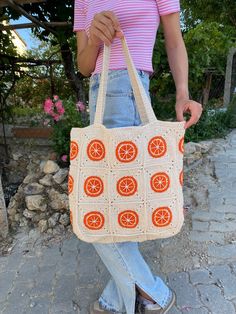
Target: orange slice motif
(181, 145)
(74, 150)
(162, 216)
(127, 186)
(128, 219)
(94, 220)
(181, 177)
(70, 184)
(126, 151)
(160, 182)
(157, 147)
(96, 150)
(93, 186)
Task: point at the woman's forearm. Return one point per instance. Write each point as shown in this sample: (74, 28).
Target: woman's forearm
(178, 62)
(86, 59)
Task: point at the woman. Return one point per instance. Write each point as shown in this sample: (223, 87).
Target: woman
(132, 286)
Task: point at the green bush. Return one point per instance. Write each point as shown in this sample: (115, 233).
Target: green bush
(231, 113)
(61, 129)
(212, 124)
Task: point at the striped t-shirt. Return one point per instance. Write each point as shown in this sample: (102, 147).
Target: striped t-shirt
(139, 21)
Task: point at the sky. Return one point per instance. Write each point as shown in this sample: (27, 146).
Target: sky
(26, 33)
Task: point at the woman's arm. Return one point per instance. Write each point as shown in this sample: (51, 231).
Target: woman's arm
(86, 53)
(178, 61)
(104, 27)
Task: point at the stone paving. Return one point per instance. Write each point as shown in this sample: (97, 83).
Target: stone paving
(49, 275)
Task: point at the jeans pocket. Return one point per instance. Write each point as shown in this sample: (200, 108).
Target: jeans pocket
(119, 111)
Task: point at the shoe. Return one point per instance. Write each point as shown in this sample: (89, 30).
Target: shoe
(95, 308)
(155, 308)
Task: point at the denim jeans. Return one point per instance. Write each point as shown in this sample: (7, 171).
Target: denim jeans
(123, 260)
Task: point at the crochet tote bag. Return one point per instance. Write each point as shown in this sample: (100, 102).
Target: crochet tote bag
(125, 183)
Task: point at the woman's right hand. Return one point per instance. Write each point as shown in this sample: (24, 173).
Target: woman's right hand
(104, 27)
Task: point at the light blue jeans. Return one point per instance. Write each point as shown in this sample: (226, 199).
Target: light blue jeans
(123, 260)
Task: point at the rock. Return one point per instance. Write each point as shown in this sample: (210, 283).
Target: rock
(11, 211)
(64, 220)
(16, 155)
(33, 189)
(46, 180)
(43, 225)
(36, 218)
(41, 165)
(204, 147)
(59, 201)
(58, 230)
(64, 187)
(17, 217)
(28, 214)
(50, 167)
(36, 202)
(52, 221)
(23, 222)
(34, 234)
(60, 176)
(29, 178)
(189, 148)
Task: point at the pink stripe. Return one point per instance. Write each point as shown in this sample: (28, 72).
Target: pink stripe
(139, 20)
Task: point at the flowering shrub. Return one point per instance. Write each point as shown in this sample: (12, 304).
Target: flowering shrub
(64, 115)
(54, 107)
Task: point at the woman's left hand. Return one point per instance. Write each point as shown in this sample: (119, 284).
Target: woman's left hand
(190, 106)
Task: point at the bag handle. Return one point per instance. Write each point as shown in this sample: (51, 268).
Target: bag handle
(144, 106)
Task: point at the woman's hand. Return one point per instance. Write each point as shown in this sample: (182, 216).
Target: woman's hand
(190, 106)
(104, 27)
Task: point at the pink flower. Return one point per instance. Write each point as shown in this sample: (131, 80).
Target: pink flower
(56, 117)
(48, 106)
(80, 106)
(59, 106)
(55, 97)
(64, 157)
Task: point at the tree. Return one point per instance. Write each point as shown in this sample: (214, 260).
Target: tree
(195, 11)
(57, 11)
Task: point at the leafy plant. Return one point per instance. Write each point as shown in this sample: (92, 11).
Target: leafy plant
(68, 115)
(231, 113)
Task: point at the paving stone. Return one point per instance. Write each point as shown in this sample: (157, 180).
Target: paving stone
(226, 226)
(14, 261)
(213, 299)
(200, 276)
(200, 225)
(229, 200)
(39, 305)
(201, 310)
(222, 274)
(234, 267)
(186, 293)
(3, 263)
(224, 252)
(174, 310)
(44, 282)
(206, 236)
(71, 244)
(202, 215)
(223, 208)
(65, 288)
(68, 263)
(28, 270)
(6, 283)
(51, 256)
(62, 307)
(18, 299)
